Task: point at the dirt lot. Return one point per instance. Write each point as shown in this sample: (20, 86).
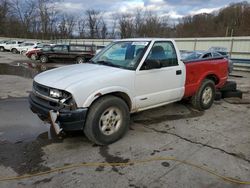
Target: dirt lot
(217, 139)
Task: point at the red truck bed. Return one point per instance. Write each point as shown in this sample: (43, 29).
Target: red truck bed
(197, 71)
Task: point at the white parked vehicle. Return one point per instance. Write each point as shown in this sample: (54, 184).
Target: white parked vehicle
(127, 76)
(3, 42)
(8, 46)
(24, 47)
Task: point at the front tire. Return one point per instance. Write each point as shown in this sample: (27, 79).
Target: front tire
(44, 59)
(107, 120)
(1, 49)
(23, 52)
(33, 57)
(204, 97)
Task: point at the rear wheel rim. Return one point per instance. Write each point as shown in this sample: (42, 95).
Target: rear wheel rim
(110, 121)
(43, 59)
(207, 95)
(80, 60)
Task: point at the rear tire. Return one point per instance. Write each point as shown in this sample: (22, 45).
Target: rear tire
(80, 60)
(1, 49)
(44, 59)
(107, 120)
(14, 51)
(204, 97)
(23, 52)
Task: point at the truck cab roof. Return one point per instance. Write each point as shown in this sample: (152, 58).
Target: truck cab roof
(145, 39)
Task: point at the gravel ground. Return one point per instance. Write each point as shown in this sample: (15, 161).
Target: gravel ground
(218, 139)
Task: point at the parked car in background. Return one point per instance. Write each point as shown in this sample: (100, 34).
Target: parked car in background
(32, 53)
(224, 51)
(72, 52)
(196, 55)
(200, 55)
(3, 42)
(185, 53)
(24, 47)
(10, 45)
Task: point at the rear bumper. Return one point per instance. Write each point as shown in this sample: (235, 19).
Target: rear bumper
(69, 120)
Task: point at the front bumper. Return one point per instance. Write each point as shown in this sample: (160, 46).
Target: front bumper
(68, 120)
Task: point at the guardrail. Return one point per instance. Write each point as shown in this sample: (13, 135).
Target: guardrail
(241, 64)
(239, 47)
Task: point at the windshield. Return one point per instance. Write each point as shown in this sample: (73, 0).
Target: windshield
(122, 54)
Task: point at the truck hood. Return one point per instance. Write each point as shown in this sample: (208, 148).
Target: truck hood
(64, 77)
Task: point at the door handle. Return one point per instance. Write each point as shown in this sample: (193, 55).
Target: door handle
(178, 72)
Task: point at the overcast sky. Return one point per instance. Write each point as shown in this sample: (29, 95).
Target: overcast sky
(173, 8)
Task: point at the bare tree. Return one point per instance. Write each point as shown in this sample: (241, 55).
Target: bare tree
(104, 30)
(48, 15)
(25, 11)
(139, 23)
(66, 25)
(42, 19)
(113, 28)
(81, 25)
(4, 9)
(93, 22)
(126, 25)
(152, 26)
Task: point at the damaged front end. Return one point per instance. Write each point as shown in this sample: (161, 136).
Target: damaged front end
(57, 107)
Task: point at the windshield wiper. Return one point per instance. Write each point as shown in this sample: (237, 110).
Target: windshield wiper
(107, 63)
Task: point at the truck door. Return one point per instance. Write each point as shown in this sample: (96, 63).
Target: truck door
(161, 78)
(60, 52)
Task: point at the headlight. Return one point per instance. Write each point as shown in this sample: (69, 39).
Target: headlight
(55, 93)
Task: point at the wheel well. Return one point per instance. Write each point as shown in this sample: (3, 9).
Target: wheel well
(214, 78)
(43, 55)
(80, 57)
(121, 95)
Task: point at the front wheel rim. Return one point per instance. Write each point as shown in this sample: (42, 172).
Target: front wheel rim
(207, 95)
(33, 57)
(110, 121)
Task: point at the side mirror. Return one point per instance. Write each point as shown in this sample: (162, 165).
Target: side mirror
(151, 64)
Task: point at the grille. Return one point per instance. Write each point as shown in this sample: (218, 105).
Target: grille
(41, 89)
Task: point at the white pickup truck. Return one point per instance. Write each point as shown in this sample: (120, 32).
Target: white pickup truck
(127, 76)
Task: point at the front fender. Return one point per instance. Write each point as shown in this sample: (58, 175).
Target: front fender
(104, 91)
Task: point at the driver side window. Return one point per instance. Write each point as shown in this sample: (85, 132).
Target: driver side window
(162, 54)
